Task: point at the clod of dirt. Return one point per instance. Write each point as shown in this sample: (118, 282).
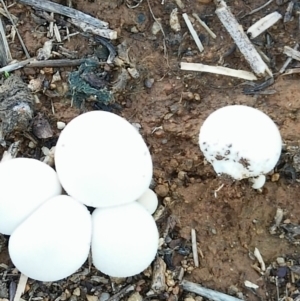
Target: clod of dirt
(16, 107)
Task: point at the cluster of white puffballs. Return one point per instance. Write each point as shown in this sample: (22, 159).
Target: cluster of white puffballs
(103, 162)
(241, 142)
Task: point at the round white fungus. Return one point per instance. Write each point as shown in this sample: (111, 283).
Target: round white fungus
(25, 185)
(54, 241)
(241, 142)
(124, 240)
(148, 200)
(101, 160)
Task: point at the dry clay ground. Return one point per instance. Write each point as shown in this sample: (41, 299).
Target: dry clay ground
(233, 221)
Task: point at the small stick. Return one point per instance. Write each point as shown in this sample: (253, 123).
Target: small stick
(260, 259)
(32, 63)
(218, 70)
(193, 32)
(15, 66)
(15, 27)
(203, 24)
(50, 6)
(288, 60)
(294, 54)
(21, 287)
(241, 39)
(206, 292)
(194, 248)
(103, 32)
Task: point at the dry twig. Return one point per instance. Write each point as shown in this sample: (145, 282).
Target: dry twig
(194, 248)
(162, 30)
(206, 292)
(241, 39)
(258, 9)
(50, 6)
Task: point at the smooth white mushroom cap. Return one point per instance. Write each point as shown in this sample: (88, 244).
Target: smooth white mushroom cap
(25, 185)
(124, 240)
(240, 141)
(101, 160)
(148, 200)
(54, 241)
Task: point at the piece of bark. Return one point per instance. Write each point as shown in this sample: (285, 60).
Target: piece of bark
(16, 107)
(158, 284)
(41, 127)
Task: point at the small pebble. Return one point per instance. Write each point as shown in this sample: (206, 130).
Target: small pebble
(275, 177)
(170, 282)
(45, 150)
(60, 125)
(104, 296)
(31, 144)
(181, 175)
(281, 261)
(76, 292)
(162, 190)
(149, 82)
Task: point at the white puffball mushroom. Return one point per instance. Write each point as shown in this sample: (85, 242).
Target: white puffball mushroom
(101, 160)
(25, 185)
(54, 241)
(241, 142)
(148, 200)
(124, 240)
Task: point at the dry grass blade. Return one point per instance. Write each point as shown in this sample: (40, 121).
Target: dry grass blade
(5, 55)
(193, 32)
(218, 70)
(203, 24)
(16, 29)
(21, 287)
(194, 247)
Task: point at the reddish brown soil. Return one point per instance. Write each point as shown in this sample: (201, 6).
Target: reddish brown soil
(235, 220)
